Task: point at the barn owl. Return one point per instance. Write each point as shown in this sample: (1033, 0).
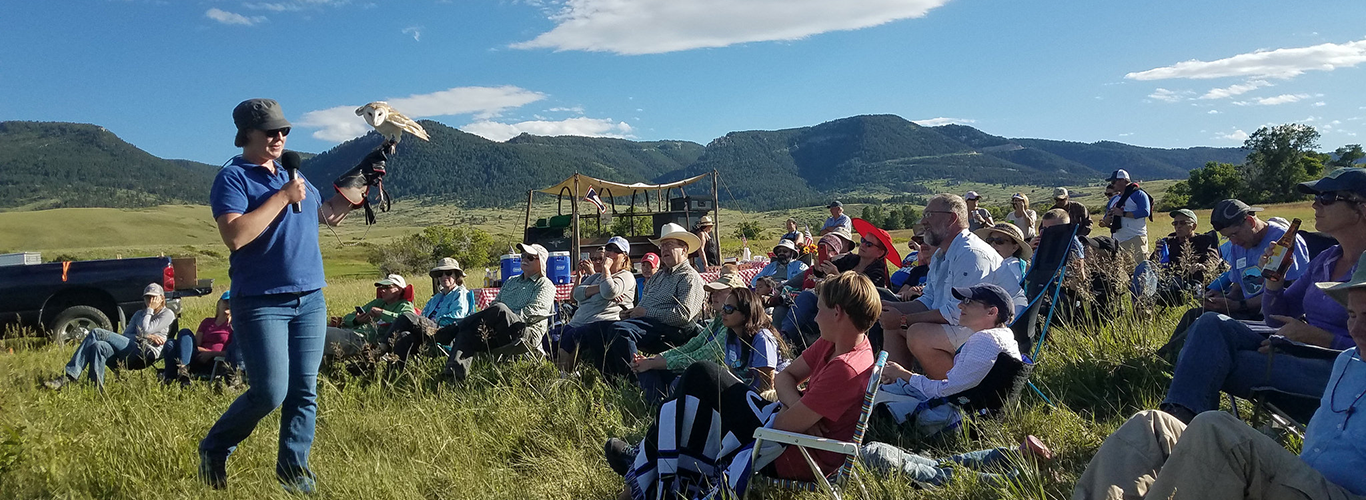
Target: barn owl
(389, 122)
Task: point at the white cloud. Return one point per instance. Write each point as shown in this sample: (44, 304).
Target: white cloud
(634, 27)
(1236, 89)
(580, 126)
(571, 109)
(1236, 135)
(226, 17)
(1165, 95)
(416, 31)
(294, 5)
(340, 123)
(1278, 63)
(1272, 101)
(935, 122)
(1320, 104)
(1213, 111)
(1126, 134)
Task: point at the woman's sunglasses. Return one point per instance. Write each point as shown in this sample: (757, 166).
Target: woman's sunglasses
(443, 274)
(999, 241)
(870, 244)
(282, 132)
(729, 309)
(1326, 199)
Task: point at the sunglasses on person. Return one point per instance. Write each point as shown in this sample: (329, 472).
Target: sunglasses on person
(729, 309)
(870, 244)
(1330, 198)
(444, 274)
(530, 256)
(282, 132)
(998, 241)
(1182, 223)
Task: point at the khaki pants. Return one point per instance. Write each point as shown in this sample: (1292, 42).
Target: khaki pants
(1154, 455)
(1136, 247)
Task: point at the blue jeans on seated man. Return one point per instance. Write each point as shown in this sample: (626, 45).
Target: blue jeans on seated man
(611, 345)
(1220, 354)
(99, 349)
(281, 338)
(887, 459)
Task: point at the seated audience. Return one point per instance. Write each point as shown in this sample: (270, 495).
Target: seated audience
(201, 347)
(993, 467)
(926, 330)
(784, 265)
(648, 265)
(1250, 237)
(516, 316)
(909, 282)
(987, 309)
(703, 440)
(1015, 254)
(799, 325)
(1022, 216)
(739, 340)
(602, 296)
(139, 345)
(1223, 353)
(368, 324)
(450, 303)
(1216, 456)
(663, 318)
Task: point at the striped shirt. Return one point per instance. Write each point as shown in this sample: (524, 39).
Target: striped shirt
(673, 295)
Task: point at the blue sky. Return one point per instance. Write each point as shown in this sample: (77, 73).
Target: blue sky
(165, 75)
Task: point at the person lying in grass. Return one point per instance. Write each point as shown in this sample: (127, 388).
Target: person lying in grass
(143, 339)
(722, 412)
(1216, 456)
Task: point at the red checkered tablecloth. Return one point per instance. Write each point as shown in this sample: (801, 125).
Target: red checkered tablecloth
(562, 292)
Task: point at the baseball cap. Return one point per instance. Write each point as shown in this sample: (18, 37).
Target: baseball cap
(154, 289)
(1184, 213)
(971, 195)
(622, 245)
(1119, 174)
(987, 293)
(259, 114)
(652, 258)
(393, 279)
(226, 295)
(1059, 193)
(1342, 180)
(1229, 213)
(834, 204)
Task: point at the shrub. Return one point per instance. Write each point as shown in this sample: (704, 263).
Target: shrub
(416, 253)
(749, 229)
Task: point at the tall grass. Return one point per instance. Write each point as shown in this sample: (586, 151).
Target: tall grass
(515, 430)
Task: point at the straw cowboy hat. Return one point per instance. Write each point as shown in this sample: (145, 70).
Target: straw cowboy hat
(673, 231)
(1008, 229)
(704, 222)
(1339, 291)
(447, 264)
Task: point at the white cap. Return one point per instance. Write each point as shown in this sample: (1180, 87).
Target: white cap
(393, 279)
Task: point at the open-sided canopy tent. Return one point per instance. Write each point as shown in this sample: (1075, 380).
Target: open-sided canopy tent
(576, 187)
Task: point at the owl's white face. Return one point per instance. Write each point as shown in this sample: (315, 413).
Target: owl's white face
(375, 116)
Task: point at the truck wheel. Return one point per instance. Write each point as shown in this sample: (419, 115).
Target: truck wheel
(74, 322)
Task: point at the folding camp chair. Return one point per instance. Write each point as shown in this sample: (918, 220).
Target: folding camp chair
(1287, 410)
(1047, 270)
(804, 442)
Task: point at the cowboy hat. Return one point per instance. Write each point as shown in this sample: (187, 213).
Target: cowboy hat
(704, 221)
(447, 264)
(673, 231)
(1008, 229)
(1339, 291)
(868, 230)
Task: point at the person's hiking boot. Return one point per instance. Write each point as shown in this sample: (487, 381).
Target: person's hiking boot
(57, 383)
(620, 455)
(213, 470)
(302, 485)
(182, 375)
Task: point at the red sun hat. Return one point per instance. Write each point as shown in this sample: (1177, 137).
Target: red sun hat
(868, 230)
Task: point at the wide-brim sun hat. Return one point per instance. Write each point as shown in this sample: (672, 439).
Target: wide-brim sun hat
(846, 236)
(704, 222)
(868, 230)
(1339, 290)
(786, 243)
(446, 264)
(1024, 253)
(673, 231)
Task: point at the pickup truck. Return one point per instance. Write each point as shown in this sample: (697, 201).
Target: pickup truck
(67, 299)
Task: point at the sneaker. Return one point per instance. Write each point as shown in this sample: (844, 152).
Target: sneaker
(57, 383)
(620, 455)
(213, 470)
(183, 376)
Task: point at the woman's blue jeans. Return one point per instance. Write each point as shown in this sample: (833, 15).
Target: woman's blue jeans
(100, 348)
(1221, 355)
(179, 351)
(281, 340)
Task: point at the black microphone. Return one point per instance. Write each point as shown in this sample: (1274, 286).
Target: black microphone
(290, 160)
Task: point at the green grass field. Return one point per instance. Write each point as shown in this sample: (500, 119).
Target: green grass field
(516, 430)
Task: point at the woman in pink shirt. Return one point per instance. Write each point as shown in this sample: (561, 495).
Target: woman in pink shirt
(199, 348)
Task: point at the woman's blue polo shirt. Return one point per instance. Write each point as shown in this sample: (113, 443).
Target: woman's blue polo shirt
(286, 257)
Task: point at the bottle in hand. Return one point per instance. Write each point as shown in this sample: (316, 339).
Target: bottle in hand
(1283, 255)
